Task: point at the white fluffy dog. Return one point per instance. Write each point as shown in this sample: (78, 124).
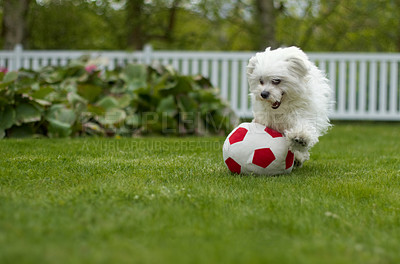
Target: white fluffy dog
(291, 95)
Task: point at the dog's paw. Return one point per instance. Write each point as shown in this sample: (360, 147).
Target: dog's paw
(299, 141)
(300, 158)
(298, 163)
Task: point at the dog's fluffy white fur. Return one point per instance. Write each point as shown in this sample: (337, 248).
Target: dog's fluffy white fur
(291, 95)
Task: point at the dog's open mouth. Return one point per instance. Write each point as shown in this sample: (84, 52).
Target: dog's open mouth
(276, 105)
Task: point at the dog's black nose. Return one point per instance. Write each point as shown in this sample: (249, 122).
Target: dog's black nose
(264, 94)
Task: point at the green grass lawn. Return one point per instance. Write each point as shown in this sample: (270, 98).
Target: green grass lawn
(172, 200)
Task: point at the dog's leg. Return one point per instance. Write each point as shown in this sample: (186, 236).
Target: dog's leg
(301, 137)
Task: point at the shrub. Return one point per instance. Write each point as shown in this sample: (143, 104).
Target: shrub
(80, 99)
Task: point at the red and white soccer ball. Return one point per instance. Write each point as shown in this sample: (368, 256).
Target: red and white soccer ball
(254, 148)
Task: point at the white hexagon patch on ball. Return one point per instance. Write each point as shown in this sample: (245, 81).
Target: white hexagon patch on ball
(252, 148)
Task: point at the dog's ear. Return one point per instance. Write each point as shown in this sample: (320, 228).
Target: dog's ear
(298, 61)
(252, 64)
(298, 66)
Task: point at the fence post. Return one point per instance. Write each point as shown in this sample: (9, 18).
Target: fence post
(147, 54)
(17, 57)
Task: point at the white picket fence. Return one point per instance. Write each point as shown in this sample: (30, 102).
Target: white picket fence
(366, 85)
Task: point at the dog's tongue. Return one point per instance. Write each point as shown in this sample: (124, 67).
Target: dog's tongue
(276, 105)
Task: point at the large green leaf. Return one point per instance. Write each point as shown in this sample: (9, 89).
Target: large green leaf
(135, 72)
(108, 102)
(135, 75)
(7, 118)
(113, 116)
(187, 104)
(78, 103)
(10, 77)
(61, 114)
(89, 91)
(59, 129)
(74, 71)
(61, 120)
(167, 106)
(184, 84)
(26, 113)
(26, 82)
(95, 110)
(124, 100)
(42, 92)
(164, 81)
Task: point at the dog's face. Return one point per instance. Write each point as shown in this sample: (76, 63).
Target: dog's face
(277, 76)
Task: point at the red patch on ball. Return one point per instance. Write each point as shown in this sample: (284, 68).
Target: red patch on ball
(273, 133)
(289, 159)
(263, 157)
(238, 135)
(233, 166)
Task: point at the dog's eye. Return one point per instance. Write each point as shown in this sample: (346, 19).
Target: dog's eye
(276, 81)
(261, 82)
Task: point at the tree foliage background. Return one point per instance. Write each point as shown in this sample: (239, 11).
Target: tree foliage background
(314, 25)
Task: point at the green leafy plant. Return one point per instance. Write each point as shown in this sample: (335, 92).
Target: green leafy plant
(81, 99)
